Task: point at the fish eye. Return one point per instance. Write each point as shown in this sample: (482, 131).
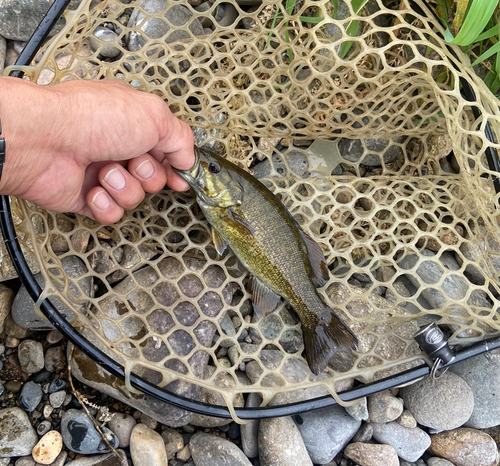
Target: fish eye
(214, 167)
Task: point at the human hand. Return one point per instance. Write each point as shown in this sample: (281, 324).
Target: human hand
(90, 147)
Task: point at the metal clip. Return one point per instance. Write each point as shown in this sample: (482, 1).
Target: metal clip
(433, 343)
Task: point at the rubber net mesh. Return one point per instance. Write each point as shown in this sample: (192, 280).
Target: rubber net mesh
(354, 135)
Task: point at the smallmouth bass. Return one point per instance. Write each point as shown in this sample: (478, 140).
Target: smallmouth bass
(283, 259)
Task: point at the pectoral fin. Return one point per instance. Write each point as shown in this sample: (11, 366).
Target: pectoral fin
(317, 258)
(264, 299)
(219, 242)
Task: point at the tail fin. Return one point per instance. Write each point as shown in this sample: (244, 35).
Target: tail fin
(324, 338)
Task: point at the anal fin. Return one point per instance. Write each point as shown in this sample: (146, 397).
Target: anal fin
(264, 299)
(219, 242)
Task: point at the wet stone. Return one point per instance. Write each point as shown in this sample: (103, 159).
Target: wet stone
(31, 395)
(80, 435)
(442, 404)
(56, 384)
(210, 450)
(30, 354)
(19, 437)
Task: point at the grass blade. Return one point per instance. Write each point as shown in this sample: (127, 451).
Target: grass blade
(352, 27)
(490, 52)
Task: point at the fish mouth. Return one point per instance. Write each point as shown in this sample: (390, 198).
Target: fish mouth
(194, 173)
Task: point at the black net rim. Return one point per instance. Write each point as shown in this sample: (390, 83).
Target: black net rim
(106, 362)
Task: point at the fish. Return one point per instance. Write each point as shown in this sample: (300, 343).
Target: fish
(285, 262)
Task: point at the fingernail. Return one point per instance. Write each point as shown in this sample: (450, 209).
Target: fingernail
(145, 169)
(115, 179)
(101, 200)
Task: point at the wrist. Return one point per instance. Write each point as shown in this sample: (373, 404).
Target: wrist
(25, 112)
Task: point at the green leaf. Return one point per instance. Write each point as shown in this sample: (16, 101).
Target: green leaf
(352, 27)
(478, 15)
(493, 31)
(448, 36)
(311, 19)
(490, 52)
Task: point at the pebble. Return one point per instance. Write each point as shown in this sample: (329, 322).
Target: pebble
(336, 427)
(23, 311)
(250, 430)
(55, 359)
(442, 404)
(407, 420)
(354, 150)
(30, 354)
(48, 448)
(482, 374)
(43, 427)
(31, 395)
(122, 425)
(369, 454)
(57, 398)
(61, 459)
(103, 34)
(80, 435)
(435, 461)
(410, 444)
(6, 294)
(25, 461)
(280, 443)
(184, 454)
(56, 384)
(173, 442)
(384, 407)
(17, 436)
(359, 411)
(3, 51)
(147, 447)
(364, 434)
(211, 450)
(108, 459)
(465, 447)
(53, 337)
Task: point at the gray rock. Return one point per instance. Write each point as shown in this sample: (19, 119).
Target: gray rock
(225, 14)
(25, 461)
(177, 15)
(17, 436)
(122, 425)
(372, 152)
(55, 360)
(359, 411)
(56, 384)
(435, 461)
(43, 428)
(384, 407)
(108, 459)
(23, 311)
(442, 404)
(280, 443)
(3, 51)
(407, 420)
(210, 450)
(336, 426)
(409, 443)
(364, 434)
(147, 447)
(102, 35)
(173, 442)
(30, 354)
(57, 398)
(250, 430)
(482, 374)
(368, 454)
(20, 18)
(297, 162)
(31, 395)
(6, 294)
(80, 435)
